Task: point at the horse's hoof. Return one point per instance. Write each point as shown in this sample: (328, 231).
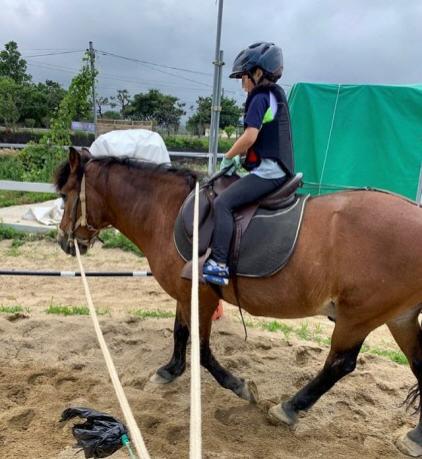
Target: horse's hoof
(157, 379)
(278, 414)
(249, 392)
(407, 446)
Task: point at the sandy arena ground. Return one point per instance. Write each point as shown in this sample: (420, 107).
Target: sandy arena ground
(50, 362)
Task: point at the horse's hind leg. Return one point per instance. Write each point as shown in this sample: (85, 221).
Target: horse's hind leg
(345, 347)
(177, 363)
(408, 335)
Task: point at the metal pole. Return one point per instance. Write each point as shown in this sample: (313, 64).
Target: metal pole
(419, 190)
(92, 61)
(76, 273)
(212, 148)
(217, 113)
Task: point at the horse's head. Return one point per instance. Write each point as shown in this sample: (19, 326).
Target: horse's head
(82, 219)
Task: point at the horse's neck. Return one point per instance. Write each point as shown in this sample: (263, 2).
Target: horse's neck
(145, 210)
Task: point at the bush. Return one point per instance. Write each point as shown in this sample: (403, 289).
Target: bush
(194, 144)
(39, 162)
(30, 122)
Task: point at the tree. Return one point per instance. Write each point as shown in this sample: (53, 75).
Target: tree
(165, 110)
(9, 101)
(12, 65)
(39, 160)
(122, 99)
(101, 101)
(229, 130)
(229, 115)
(112, 115)
(40, 102)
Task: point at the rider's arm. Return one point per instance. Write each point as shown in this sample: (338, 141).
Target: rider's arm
(253, 122)
(243, 143)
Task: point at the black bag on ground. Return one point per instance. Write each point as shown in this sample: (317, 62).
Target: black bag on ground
(100, 435)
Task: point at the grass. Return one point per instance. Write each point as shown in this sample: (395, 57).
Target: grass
(115, 240)
(17, 198)
(7, 232)
(315, 334)
(12, 309)
(152, 314)
(62, 310)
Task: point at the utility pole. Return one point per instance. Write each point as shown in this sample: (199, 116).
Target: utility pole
(92, 61)
(216, 97)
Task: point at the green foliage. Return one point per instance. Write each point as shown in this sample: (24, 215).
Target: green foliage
(199, 144)
(12, 309)
(67, 310)
(40, 160)
(112, 115)
(122, 99)
(18, 198)
(115, 240)
(229, 115)
(152, 314)
(163, 109)
(10, 101)
(390, 354)
(7, 232)
(229, 130)
(12, 65)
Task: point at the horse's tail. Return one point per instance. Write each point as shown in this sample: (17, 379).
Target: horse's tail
(413, 399)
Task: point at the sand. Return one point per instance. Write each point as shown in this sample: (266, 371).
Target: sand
(49, 362)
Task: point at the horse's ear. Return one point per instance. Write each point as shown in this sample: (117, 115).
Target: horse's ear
(85, 154)
(74, 159)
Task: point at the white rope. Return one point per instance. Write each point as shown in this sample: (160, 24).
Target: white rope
(329, 140)
(135, 433)
(195, 389)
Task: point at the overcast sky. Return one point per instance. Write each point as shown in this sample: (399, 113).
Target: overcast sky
(347, 41)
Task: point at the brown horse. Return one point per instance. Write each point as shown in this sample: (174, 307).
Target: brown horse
(358, 258)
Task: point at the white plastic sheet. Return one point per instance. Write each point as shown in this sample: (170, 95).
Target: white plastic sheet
(134, 143)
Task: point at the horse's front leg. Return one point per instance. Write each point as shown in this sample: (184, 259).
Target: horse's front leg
(177, 363)
(243, 389)
(345, 347)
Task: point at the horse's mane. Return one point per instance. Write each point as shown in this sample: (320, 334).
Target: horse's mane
(146, 168)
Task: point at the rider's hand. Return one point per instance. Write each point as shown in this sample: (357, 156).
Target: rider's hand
(233, 163)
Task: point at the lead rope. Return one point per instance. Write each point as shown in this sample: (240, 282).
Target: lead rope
(195, 389)
(135, 433)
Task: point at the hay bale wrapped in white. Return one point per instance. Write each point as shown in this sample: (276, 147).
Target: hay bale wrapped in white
(139, 144)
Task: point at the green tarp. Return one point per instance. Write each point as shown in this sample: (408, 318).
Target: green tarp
(358, 135)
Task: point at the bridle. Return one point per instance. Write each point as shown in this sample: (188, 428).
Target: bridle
(80, 222)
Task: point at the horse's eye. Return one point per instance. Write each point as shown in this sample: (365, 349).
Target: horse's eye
(63, 196)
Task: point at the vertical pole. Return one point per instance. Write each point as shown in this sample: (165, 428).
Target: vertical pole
(419, 190)
(212, 148)
(217, 110)
(92, 61)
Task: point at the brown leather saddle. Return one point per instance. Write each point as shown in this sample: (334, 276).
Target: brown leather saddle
(283, 198)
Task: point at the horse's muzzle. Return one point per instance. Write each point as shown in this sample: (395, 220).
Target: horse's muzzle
(68, 245)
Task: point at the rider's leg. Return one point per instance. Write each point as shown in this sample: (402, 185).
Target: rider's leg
(245, 191)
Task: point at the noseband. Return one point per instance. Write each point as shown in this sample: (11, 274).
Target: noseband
(81, 222)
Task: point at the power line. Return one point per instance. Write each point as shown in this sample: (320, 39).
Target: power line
(55, 54)
(132, 59)
(108, 76)
(151, 66)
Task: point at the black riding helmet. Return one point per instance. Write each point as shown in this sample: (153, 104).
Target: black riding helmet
(267, 56)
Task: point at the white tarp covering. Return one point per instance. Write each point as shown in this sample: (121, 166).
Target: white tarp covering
(48, 213)
(134, 143)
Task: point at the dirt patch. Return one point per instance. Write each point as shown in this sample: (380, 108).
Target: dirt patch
(48, 363)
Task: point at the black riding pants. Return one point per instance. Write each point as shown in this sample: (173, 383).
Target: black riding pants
(245, 191)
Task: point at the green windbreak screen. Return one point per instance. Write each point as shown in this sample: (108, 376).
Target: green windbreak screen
(358, 135)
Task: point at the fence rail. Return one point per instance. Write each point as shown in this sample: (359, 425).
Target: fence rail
(180, 154)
